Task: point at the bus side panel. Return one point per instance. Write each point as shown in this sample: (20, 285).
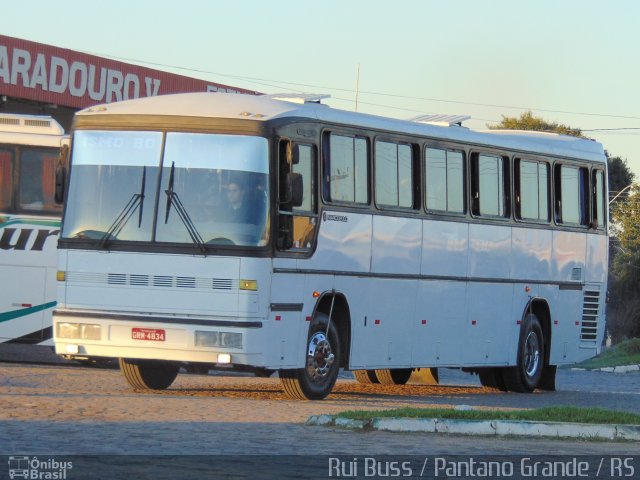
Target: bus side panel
(441, 304)
(396, 245)
(487, 331)
(489, 246)
(356, 292)
(445, 248)
(531, 254)
(28, 258)
(569, 256)
(441, 317)
(22, 290)
(381, 341)
(344, 243)
(286, 325)
(597, 253)
(596, 274)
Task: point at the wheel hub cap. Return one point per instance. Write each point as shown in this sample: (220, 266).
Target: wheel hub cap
(319, 356)
(531, 354)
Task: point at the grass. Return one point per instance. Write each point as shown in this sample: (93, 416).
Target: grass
(624, 353)
(546, 414)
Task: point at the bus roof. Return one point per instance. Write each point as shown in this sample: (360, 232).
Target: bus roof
(35, 130)
(270, 107)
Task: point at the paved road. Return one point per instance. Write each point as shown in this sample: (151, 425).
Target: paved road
(77, 410)
(52, 410)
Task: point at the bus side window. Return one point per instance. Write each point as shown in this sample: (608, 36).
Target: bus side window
(6, 178)
(394, 178)
(37, 179)
(531, 182)
(571, 186)
(599, 203)
(444, 182)
(346, 169)
(489, 186)
(298, 222)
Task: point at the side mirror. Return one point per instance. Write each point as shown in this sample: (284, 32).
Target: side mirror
(296, 189)
(61, 180)
(293, 154)
(61, 175)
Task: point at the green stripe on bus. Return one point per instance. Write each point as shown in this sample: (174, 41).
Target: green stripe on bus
(30, 221)
(6, 316)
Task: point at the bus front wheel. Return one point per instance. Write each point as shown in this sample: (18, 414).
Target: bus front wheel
(148, 375)
(526, 374)
(316, 380)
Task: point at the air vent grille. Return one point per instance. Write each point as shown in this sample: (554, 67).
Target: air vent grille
(37, 123)
(9, 121)
(590, 316)
(160, 281)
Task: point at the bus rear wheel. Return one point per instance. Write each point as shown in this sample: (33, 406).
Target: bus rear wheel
(147, 374)
(526, 375)
(316, 380)
(365, 376)
(394, 376)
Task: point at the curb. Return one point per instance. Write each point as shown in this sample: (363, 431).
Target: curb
(618, 369)
(483, 427)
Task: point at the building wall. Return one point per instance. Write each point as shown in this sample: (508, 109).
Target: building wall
(45, 80)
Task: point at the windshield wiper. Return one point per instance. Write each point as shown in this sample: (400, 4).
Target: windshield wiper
(136, 201)
(173, 199)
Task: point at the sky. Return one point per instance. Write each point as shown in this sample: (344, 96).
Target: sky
(573, 62)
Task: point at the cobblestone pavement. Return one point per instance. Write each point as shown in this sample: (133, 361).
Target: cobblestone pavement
(77, 410)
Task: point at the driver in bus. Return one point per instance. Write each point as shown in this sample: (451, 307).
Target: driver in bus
(236, 209)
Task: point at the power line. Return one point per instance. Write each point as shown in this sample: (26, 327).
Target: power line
(608, 129)
(278, 83)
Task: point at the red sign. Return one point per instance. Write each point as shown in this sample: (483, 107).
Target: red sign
(152, 334)
(48, 74)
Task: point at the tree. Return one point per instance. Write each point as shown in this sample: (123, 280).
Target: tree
(527, 121)
(624, 306)
(620, 175)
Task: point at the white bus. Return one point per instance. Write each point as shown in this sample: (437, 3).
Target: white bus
(30, 155)
(371, 244)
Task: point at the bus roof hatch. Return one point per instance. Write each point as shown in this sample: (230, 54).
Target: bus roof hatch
(299, 97)
(442, 120)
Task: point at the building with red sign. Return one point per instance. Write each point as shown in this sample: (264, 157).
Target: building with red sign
(41, 79)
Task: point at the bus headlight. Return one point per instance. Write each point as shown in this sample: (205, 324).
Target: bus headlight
(218, 339)
(78, 331)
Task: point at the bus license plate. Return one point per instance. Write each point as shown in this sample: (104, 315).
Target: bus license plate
(151, 334)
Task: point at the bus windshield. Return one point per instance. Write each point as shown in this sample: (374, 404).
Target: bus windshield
(191, 188)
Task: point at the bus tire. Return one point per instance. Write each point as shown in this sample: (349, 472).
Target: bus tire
(394, 376)
(366, 376)
(425, 376)
(492, 378)
(322, 363)
(526, 375)
(148, 375)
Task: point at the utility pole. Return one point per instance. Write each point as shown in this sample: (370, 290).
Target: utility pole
(357, 85)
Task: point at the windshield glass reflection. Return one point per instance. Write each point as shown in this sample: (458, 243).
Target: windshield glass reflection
(213, 189)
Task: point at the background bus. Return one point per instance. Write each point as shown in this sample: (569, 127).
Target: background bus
(372, 244)
(30, 151)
